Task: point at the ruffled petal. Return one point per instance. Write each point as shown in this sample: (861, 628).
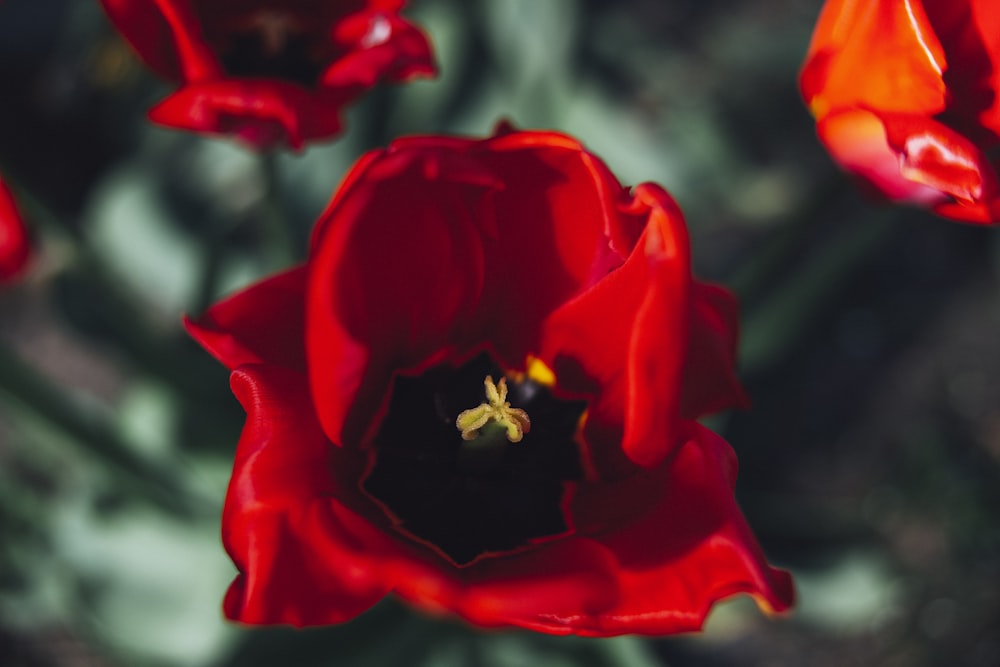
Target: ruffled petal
(562, 578)
(261, 112)
(299, 558)
(688, 550)
(15, 245)
(263, 324)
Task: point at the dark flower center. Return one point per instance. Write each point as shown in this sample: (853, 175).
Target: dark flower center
(270, 43)
(471, 497)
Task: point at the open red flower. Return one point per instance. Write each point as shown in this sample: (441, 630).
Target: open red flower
(907, 96)
(15, 246)
(269, 71)
(479, 393)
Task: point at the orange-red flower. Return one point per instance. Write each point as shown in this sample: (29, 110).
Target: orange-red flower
(479, 393)
(15, 246)
(269, 71)
(907, 96)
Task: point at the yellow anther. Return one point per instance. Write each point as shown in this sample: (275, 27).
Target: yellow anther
(514, 420)
(539, 371)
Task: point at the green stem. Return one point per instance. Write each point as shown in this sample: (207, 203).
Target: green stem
(772, 326)
(276, 232)
(752, 278)
(211, 270)
(276, 236)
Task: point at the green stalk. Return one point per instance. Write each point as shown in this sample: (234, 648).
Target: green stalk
(276, 232)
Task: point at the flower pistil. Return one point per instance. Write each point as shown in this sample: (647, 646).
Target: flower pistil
(496, 409)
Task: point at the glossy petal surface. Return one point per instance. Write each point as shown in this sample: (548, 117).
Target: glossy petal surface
(518, 257)
(905, 95)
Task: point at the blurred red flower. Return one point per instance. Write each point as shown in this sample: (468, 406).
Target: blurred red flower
(479, 393)
(15, 246)
(905, 93)
(269, 71)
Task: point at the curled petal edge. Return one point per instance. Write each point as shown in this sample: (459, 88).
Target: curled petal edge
(240, 329)
(914, 159)
(692, 549)
(261, 112)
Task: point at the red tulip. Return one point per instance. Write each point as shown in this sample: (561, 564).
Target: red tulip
(269, 71)
(905, 93)
(479, 393)
(15, 246)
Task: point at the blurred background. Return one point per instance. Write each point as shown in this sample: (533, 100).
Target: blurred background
(870, 462)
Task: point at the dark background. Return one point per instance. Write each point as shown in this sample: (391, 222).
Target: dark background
(870, 462)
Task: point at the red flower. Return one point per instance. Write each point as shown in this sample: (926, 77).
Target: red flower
(15, 247)
(269, 71)
(907, 96)
(479, 393)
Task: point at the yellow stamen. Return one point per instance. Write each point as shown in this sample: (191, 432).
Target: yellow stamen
(539, 371)
(514, 420)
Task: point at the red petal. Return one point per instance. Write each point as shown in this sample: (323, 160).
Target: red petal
(883, 55)
(167, 36)
(15, 246)
(261, 112)
(387, 5)
(550, 240)
(691, 549)
(938, 157)
(970, 34)
(627, 338)
(986, 17)
(376, 45)
(856, 139)
(915, 159)
(710, 382)
(396, 279)
(295, 545)
(263, 324)
(562, 579)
